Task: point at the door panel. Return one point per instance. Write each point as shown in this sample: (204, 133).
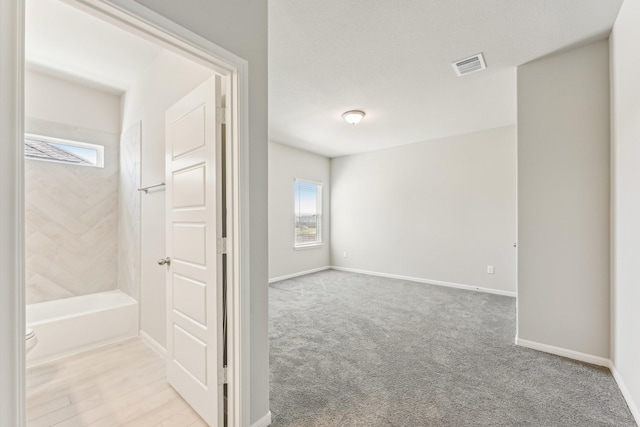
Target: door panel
(189, 243)
(190, 353)
(194, 326)
(189, 187)
(189, 298)
(189, 131)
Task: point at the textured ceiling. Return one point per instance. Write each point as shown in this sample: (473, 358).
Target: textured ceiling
(63, 40)
(392, 59)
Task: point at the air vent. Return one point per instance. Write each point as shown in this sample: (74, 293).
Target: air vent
(469, 65)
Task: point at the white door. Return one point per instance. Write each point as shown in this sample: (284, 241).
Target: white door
(194, 324)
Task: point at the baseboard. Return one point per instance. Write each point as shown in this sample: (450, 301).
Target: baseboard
(264, 421)
(559, 351)
(301, 273)
(428, 281)
(633, 408)
(153, 344)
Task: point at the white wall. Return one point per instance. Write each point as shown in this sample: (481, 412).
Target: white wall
(563, 200)
(71, 211)
(241, 27)
(440, 210)
(65, 102)
(285, 165)
(625, 100)
(167, 79)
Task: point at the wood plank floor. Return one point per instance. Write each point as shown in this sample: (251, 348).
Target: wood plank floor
(123, 384)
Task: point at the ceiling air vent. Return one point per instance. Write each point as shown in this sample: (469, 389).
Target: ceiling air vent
(469, 65)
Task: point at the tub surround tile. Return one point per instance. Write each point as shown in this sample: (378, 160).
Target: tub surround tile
(71, 216)
(41, 289)
(129, 212)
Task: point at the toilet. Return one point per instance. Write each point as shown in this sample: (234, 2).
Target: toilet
(31, 340)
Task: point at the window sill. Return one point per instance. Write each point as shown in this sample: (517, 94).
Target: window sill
(304, 247)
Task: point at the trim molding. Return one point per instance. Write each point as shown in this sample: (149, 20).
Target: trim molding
(264, 421)
(559, 351)
(153, 344)
(12, 262)
(428, 281)
(301, 273)
(633, 408)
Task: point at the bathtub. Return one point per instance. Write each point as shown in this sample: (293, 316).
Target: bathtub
(76, 324)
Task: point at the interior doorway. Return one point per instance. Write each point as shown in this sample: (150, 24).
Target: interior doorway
(233, 71)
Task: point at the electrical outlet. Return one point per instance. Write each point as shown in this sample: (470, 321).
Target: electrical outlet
(489, 269)
(344, 254)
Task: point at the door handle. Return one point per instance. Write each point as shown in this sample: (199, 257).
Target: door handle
(163, 261)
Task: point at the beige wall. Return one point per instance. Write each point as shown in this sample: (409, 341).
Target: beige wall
(285, 165)
(71, 212)
(563, 200)
(167, 79)
(440, 210)
(625, 100)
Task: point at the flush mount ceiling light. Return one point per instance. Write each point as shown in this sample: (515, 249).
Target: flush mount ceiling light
(353, 117)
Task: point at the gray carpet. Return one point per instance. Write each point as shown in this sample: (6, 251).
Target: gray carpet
(355, 350)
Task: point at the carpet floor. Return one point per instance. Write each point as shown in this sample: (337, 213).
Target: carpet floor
(355, 350)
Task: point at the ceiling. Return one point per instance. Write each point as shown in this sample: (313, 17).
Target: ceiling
(64, 41)
(392, 59)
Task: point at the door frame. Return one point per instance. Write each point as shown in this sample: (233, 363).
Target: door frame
(135, 18)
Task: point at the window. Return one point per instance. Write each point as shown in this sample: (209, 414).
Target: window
(308, 212)
(49, 149)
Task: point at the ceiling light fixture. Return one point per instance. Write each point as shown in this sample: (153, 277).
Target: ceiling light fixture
(353, 117)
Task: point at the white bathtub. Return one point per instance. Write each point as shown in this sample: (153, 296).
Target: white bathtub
(76, 324)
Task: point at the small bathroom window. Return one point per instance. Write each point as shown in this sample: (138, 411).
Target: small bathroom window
(37, 147)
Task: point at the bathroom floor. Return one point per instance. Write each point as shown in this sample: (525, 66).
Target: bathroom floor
(123, 384)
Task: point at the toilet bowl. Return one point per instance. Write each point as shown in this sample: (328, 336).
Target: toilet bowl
(31, 340)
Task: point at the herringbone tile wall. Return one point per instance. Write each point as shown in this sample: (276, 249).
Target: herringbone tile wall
(129, 212)
(72, 224)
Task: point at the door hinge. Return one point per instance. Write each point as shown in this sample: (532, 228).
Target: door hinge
(221, 115)
(222, 376)
(222, 245)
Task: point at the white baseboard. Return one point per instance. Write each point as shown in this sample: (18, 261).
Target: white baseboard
(264, 421)
(559, 351)
(153, 344)
(428, 281)
(633, 408)
(301, 273)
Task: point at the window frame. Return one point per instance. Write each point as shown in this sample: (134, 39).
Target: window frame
(319, 226)
(49, 139)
